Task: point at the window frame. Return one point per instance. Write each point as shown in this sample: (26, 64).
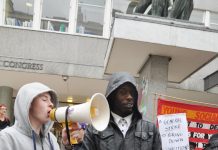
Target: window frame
(72, 22)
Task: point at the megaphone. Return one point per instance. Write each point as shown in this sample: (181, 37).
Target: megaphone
(95, 112)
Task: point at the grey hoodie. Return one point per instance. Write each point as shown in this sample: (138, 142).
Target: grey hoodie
(118, 79)
(21, 135)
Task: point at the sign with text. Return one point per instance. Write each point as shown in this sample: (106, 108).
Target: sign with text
(202, 120)
(174, 131)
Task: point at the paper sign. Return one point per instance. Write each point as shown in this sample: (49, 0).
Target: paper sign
(174, 131)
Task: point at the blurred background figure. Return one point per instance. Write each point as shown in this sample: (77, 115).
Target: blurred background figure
(4, 120)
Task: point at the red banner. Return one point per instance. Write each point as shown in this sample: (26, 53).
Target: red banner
(202, 120)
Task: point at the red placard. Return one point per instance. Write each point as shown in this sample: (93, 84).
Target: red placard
(202, 120)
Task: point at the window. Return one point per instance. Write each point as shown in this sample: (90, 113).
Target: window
(80, 16)
(55, 15)
(90, 17)
(19, 12)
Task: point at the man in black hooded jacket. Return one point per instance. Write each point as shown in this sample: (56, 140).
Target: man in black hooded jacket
(131, 134)
(126, 129)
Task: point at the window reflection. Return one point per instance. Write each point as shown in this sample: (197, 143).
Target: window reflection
(19, 12)
(90, 17)
(55, 15)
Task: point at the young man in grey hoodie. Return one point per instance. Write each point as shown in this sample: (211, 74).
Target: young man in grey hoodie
(126, 129)
(31, 130)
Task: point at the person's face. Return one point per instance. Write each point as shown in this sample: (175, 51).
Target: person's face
(3, 110)
(40, 109)
(124, 102)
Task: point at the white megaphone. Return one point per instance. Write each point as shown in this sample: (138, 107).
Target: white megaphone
(95, 112)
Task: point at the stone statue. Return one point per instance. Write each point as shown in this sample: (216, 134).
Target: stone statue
(181, 9)
(142, 6)
(159, 7)
(131, 7)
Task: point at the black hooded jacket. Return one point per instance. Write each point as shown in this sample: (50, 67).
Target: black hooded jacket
(141, 135)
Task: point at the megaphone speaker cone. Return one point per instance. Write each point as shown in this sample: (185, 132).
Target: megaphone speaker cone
(95, 112)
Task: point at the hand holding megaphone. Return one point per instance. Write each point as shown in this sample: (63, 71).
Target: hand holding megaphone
(76, 134)
(95, 112)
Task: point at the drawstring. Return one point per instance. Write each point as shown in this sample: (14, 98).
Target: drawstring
(50, 142)
(34, 139)
(67, 127)
(66, 124)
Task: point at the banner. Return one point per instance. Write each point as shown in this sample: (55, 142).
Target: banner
(174, 131)
(202, 120)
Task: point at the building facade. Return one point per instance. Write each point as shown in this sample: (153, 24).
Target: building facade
(74, 46)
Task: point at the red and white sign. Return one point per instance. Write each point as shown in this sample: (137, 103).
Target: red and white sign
(202, 120)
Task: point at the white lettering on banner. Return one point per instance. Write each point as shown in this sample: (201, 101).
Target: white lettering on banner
(198, 135)
(202, 125)
(174, 131)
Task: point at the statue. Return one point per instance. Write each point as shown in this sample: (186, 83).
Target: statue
(142, 6)
(159, 7)
(131, 7)
(181, 9)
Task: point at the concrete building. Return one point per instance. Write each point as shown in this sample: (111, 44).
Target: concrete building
(74, 46)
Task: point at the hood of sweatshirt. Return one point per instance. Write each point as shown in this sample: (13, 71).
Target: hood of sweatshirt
(118, 79)
(23, 101)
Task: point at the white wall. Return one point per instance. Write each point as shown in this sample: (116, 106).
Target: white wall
(206, 5)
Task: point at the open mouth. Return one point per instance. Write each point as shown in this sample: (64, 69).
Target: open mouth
(49, 113)
(130, 105)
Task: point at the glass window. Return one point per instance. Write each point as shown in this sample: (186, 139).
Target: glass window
(55, 15)
(93, 2)
(54, 25)
(19, 12)
(90, 17)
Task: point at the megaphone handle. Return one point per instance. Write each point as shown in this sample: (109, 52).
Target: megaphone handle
(66, 124)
